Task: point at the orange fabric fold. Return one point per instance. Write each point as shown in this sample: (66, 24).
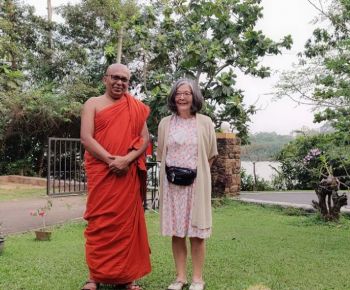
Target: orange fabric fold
(117, 249)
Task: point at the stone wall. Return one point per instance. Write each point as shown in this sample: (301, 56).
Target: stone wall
(36, 181)
(226, 179)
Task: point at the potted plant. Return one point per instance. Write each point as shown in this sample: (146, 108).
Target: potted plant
(2, 241)
(42, 234)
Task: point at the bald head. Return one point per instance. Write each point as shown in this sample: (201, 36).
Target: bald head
(118, 68)
(116, 80)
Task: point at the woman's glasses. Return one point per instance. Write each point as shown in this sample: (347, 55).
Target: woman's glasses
(185, 94)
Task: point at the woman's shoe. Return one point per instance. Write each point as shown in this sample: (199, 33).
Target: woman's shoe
(197, 286)
(177, 285)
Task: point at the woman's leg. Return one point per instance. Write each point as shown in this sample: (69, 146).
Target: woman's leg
(180, 256)
(198, 255)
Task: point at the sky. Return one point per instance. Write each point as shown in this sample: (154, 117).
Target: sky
(281, 17)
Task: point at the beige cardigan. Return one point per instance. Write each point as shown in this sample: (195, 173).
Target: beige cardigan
(207, 149)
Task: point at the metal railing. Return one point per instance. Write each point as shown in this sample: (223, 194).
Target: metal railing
(152, 198)
(66, 172)
(65, 167)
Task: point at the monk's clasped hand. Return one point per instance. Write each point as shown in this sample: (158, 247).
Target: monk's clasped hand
(119, 165)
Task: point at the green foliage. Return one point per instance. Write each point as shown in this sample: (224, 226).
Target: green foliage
(248, 183)
(29, 118)
(264, 146)
(279, 182)
(322, 77)
(322, 80)
(293, 211)
(308, 159)
(48, 69)
(205, 40)
(10, 79)
(36, 79)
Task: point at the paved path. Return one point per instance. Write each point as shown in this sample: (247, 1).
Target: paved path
(15, 215)
(295, 199)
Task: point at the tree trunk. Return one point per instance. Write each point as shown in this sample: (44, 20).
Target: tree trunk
(329, 201)
(120, 45)
(49, 18)
(41, 160)
(254, 174)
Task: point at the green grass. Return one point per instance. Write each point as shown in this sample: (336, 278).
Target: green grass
(251, 245)
(20, 192)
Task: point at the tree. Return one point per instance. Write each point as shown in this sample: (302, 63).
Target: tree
(251, 152)
(208, 41)
(306, 160)
(118, 15)
(205, 40)
(322, 78)
(33, 105)
(61, 64)
(264, 146)
(30, 118)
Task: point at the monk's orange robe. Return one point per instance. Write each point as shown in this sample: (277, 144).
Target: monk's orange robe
(117, 249)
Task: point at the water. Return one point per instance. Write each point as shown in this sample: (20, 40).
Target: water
(262, 168)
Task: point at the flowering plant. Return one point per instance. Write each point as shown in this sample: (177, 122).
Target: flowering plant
(42, 212)
(316, 161)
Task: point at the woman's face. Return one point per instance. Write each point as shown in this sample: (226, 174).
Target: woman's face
(183, 99)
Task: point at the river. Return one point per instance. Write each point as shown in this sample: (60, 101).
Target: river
(262, 168)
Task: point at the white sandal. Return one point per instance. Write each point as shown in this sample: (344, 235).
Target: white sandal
(197, 286)
(177, 285)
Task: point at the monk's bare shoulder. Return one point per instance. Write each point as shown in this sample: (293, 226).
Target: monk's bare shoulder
(97, 103)
(93, 102)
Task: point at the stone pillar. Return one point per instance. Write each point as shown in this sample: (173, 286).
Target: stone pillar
(226, 178)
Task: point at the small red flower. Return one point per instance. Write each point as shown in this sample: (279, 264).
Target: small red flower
(42, 212)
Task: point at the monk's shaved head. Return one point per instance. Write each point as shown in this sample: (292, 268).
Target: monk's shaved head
(116, 80)
(118, 68)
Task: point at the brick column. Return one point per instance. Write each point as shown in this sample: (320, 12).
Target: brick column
(226, 179)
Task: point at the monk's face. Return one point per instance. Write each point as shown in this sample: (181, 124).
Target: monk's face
(116, 80)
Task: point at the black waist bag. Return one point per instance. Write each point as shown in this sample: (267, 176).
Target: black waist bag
(180, 175)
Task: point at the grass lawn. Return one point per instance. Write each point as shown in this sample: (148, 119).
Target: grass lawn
(12, 192)
(251, 245)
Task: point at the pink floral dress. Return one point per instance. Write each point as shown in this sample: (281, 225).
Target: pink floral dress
(182, 151)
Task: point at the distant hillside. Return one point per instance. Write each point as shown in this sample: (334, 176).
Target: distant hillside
(264, 146)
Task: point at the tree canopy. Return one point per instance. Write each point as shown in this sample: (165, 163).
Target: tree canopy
(55, 67)
(322, 79)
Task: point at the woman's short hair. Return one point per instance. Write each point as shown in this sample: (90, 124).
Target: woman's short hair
(197, 98)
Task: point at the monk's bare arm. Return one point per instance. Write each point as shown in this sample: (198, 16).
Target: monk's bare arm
(121, 163)
(134, 154)
(87, 133)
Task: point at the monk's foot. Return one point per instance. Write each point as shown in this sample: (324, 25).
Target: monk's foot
(90, 285)
(132, 286)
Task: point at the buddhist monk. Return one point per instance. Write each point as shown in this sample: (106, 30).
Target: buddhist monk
(115, 136)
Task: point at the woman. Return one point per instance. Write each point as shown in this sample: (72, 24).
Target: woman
(186, 139)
